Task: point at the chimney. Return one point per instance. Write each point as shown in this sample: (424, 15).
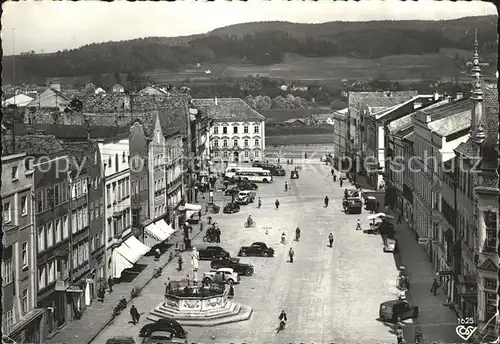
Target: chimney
(215, 100)
(56, 87)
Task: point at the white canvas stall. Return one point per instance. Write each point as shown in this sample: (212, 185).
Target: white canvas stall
(190, 206)
(137, 247)
(165, 228)
(128, 253)
(190, 213)
(156, 232)
(119, 263)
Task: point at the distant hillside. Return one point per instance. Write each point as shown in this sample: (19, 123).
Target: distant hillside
(261, 44)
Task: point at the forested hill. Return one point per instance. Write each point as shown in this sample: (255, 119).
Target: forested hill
(258, 44)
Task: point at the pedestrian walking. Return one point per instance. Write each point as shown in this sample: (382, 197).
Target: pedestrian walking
(134, 313)
(326, 201)
(230, 293)
(217, 234)
(358, 225)
(399, 335)
(291, 253)
(288, 161)
(277, 204)
(259, 204)
(378, 206)
(101, 294)
(157, 254)
(286, 185)
(110, 284)
(179, 263)
(400, 218)
(291, 162)
(297, 234)
(434, 287)
(332, 172)
(334, 177)
(341, 182)
(283, 238)
(330, 239)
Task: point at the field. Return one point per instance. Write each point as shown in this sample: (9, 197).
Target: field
(308, 139)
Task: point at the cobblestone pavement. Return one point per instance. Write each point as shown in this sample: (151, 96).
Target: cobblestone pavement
(331, 295)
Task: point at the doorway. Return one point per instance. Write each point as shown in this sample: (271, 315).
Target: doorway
(236, 156)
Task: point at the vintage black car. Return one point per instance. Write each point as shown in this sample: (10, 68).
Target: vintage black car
(397, 310)
(247, 186)
(232, 190)
(165, 324)
(213, 252)
(278, 172)
(258, 249)
(233, 263)
(352, 205)
(231, 208)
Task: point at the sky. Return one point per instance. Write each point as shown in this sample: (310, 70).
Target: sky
(48, 26)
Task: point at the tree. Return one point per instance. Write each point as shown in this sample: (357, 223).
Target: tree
(279, 102)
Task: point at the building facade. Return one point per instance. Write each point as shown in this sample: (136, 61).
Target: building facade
(339, 135)
(237, 133)
(21, 320)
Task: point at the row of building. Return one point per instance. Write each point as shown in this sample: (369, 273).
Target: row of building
(87, 191)
(436, 160)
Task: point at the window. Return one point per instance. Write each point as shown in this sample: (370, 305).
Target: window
(224, 143)
(123, 157)
(50, 234)
(24, 302)
(216, 130)
(85, 215)
(109, 161)
(85, 251)
(57, 227)
(256, 154)
(64, 191)
(8, 321)
(216, 143)
(245, 130)
(246, 154)
(224, 130)
(216, 154)
(41, 277)
(51, 272)
(79, 219)
(49, 198)
(6, 212)
(235, 130)
(256, 129)
(7, 272)
(73, 222)
(80, 254)
(224, 154)
(256, 142)
(490, 283)
(41, 238)
(101, 207)
(14, 173)
(491, 304)
(24, 254)
(65, 224)
(84, 186)
(91, 211)
(246, 142)
(75, 257)
(235, 143)
(57, 198)
(490, 220)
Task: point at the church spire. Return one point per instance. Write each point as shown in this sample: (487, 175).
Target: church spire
(477, 132)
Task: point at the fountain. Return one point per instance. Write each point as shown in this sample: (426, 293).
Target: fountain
(192, 303)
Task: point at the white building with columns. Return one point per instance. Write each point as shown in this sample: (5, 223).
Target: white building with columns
(237, 133)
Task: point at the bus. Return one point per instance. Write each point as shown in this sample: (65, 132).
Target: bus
(231, 171)
(262, 176)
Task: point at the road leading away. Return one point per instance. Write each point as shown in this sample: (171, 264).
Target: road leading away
(329, 294)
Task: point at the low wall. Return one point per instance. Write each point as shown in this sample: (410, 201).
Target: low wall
(299, 151)
(195, 303)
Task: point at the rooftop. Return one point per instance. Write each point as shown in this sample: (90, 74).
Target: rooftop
(71, 132)
(82, 153)
(489, 149)
(409, 137)
(229, 109)
(452, 124)
(400, 124)
(376, 99)
(446, 108)
(35, 145)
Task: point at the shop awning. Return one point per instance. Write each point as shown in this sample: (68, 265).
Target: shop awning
(128, 253)
(165, 228)
(190, 213)
(154, 231)
(137, 246)
(190, 206)
(119, 263)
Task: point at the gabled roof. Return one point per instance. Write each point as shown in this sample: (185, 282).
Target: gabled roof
(71, 132)
(228, 109)
(82, 153)
(293, 120)
(35, 145)
(104, 102)
(409, 137)
(451, 124)
(322, 116)
(173, 114)
(467, 148)
(49, 92)
(446, 108)
(400, 124)
(374, 99)
(19, 100)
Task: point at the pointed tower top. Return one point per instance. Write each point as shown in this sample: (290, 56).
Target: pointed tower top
(477, 92)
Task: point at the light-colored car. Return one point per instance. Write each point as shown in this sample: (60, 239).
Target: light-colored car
(390, 245)
(221, 276)
(246, 196)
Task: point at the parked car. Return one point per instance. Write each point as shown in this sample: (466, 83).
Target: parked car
(279, 171)
(212, 252)
(162, 337)
(221, 276)
(120, 340)
(245, 185)
(232, 190)
(233, 263)
(259, 249)
(231, 208)
(246, 197)
(397, 310)
(166, 324)
(390, 245)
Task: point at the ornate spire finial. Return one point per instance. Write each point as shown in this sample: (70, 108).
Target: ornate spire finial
(476, 71)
